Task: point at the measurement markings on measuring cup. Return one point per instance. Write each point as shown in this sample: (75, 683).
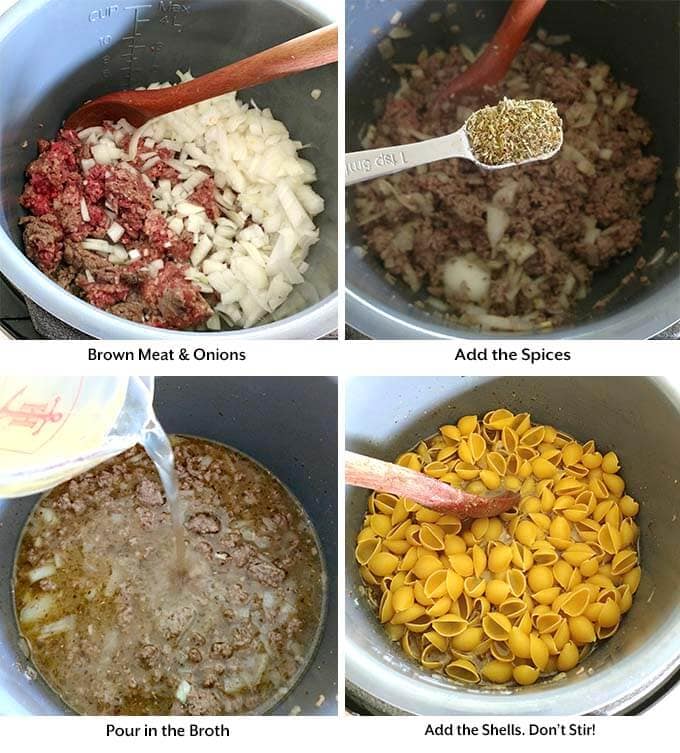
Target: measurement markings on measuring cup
(134, 39)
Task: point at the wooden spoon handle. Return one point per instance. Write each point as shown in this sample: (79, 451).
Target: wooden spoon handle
(492, 65)
(371, 473)
(312, 50)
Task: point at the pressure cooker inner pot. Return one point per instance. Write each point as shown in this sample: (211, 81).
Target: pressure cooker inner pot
(638, 40)
(222, 410)
(388, 416)
(93, 51)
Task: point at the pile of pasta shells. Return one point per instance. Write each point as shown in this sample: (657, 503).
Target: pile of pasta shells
(513, 598)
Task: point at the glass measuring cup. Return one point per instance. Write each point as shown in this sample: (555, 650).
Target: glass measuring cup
(52, 429)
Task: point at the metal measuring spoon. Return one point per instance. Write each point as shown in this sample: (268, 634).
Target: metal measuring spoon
(375, 163)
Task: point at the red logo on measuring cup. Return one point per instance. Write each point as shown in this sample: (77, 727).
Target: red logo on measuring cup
(33, 416)
(28, 422)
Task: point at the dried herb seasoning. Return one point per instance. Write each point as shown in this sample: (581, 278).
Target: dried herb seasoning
(514, 130)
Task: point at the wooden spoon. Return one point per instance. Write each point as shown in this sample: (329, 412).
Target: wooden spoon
(319, 47)
(371, 473)
(492, 65)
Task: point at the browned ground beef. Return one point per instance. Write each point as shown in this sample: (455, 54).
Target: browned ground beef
(566, 218)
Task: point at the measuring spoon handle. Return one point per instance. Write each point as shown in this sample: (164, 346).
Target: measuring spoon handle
(376, 163)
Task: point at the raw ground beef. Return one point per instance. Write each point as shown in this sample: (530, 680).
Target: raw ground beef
(560, 221)
(56, 185)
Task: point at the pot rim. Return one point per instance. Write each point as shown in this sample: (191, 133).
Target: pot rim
(311, 323)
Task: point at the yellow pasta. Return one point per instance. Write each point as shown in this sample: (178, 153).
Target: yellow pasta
(514, 598)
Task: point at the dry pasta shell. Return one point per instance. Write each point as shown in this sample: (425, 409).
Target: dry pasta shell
(435, 584)
(610, 614)
(367, 576)
(499, 419)
(572, 452)
(396, 547)
(403, 598)
(479, 527)
(409, 559)
(534, 436)
(440, 607)
(446, 453)
(614, 483)
(468, 640)
(632, 579)
(454, 544)
(562, 572)
(543, 469)
(522, 556)
(467, 424)
(432, 536)
(623, 562)
(424, 515)
(465, 453)
(625, 598)
(383, 563)
(425, 565)
(454, 584)
(412, 533)
(581, 630)
(399, 531)
(477, 446)
(598, 488)
(548, 622)
(568, 658)
(629, 507)
(411, 645)
(509, 439)
(545, 554)
(513, 463)
(496, 462)
(519, 643)
(408, 615)
(466, 471)
(409, 460)
(478, 560)
(497, 591)
(499, 558)
(497, 626)
(386, 611)
(513, 608)
(526, 454)
(474, 586)
(418, 590)
(546, 595)
(530, 504)
(450, 523)
(433, 637)
(366, 549)
(463, 670)
(575, 554)
(480, 608)
(526, 532)
(522, 423)
(540, 577)
(539, 653)
(450, 432)
(436, 469)
(587, 529)
(525, 675)
(589, 567)
(609, 538)
(399, 513)
(462, 564)
(420, 624)
(516, 580)
(497, 672)
(501, 651)
(432, 658)
(449, 625)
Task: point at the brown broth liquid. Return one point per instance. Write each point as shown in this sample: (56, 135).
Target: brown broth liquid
(115, 627)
